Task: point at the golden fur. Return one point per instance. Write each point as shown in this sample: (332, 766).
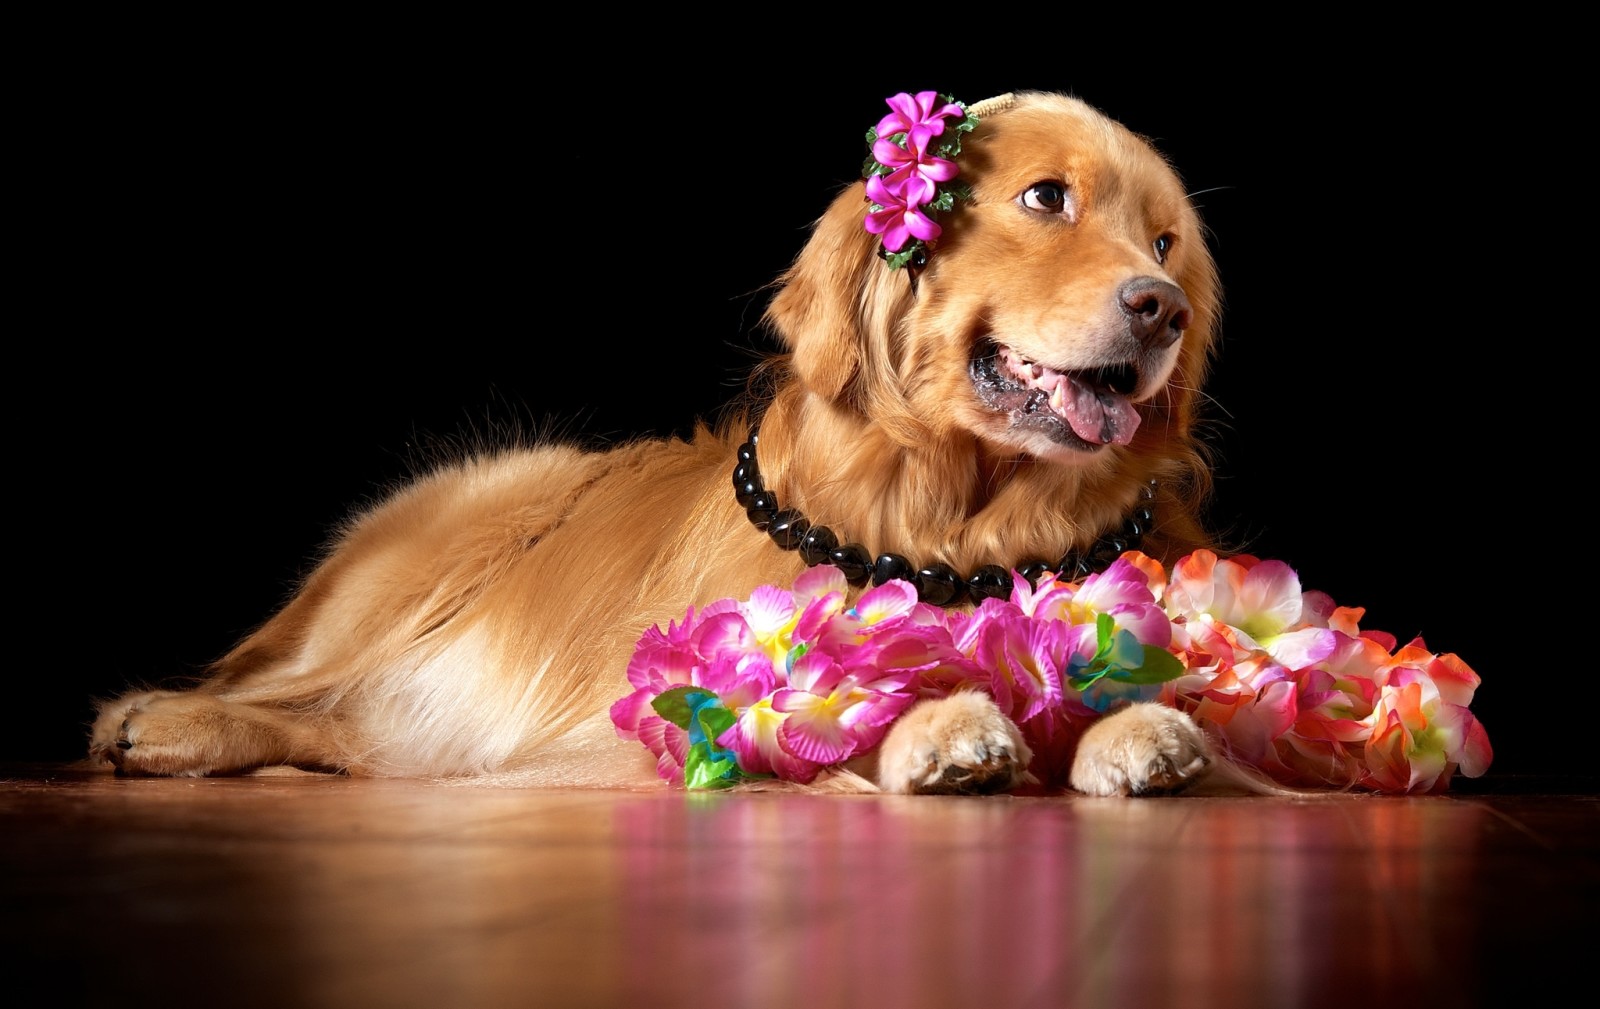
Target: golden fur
(445, 632)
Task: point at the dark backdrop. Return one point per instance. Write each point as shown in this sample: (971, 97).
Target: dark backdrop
(276, 279)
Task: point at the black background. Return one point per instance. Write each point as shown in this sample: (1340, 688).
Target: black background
(272, 279)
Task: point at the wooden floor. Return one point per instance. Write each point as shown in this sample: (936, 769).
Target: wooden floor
(328, 891)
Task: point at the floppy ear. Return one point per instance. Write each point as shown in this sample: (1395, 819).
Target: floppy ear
(832, 299)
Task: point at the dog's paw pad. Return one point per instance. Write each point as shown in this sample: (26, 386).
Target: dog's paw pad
(957, 745)
(983, 771)
(1142, 750)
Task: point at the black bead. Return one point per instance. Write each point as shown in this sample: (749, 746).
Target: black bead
(854, 561)
(1106, 550)
(746, 494)
(1148, 491)
(891, 566)
(817, 543)
(747, 452)
(940, 585)
(787, 528)
(1074, 568)
(1035, 570)
(761, 508)
(746, 472)
(990, 582)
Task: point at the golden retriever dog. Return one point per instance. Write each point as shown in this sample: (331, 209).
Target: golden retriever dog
(1025, 392)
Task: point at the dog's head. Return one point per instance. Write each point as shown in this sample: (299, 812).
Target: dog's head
(1066, 313)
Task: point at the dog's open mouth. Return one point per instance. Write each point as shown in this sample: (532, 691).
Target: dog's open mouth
(1089, 406)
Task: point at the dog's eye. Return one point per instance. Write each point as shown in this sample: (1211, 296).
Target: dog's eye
(1161, 246)
(1046, 197)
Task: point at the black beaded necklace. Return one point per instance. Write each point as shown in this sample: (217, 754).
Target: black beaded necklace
(936, 583)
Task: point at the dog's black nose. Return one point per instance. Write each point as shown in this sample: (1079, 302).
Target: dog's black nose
(1158, 311)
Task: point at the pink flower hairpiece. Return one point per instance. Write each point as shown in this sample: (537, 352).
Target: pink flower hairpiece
(911, 173)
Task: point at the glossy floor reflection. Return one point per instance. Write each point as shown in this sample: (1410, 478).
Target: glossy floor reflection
(327, 891)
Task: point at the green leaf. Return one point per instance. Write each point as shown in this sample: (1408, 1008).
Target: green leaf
(715, 720)
(701, 770)
(1105, 629)
(1159, 666)
(673, 705)
(1083, 681)
(901, 258)
(871, 167)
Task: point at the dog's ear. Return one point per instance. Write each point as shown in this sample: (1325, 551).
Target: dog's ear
(834, 298)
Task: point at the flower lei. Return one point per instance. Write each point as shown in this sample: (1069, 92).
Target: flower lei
(911, 173)
(788, 682)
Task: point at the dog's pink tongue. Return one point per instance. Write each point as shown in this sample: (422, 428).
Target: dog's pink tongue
(1096, 416)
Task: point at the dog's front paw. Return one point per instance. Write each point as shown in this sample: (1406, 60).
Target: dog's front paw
(1141, 749)
(957, 745)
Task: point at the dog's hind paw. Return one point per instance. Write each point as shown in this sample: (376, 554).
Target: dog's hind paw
(1140, 750)
(185, 735)
(108, 737)
(158, 732)
(957, 745)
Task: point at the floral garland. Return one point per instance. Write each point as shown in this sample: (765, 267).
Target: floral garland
(789, 682)
(911, 173)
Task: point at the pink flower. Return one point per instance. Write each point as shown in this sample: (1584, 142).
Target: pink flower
(754, 741)
(909, 112)
(915, 174)
(829, 625)
(1259, 598)
(1123, 590)
(1338, 694)
(660, 661)
(718, 651)
(1050, 600)
(1021, 658)
(1418, 740)
(896, 220)
(670, 745)
(834, 713)
(1453, 679)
